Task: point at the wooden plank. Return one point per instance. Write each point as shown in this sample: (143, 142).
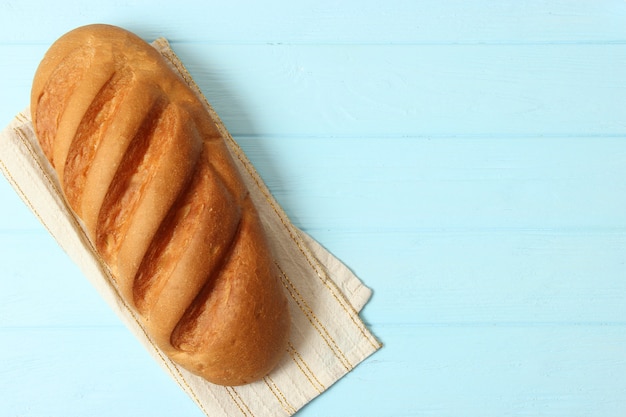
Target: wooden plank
(76, 371)
(15, 214)
(328, 21)
(556, 371)
(438, 371)
(405, 90)
(426, 278)
(488, 278)
(41, 287)
(417, 183)
(414, 90)
(19, 64)
(421, 183)
(400, 184)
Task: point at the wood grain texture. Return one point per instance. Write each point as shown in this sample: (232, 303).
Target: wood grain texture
(326, 21)
(466, 159)
(399, 90)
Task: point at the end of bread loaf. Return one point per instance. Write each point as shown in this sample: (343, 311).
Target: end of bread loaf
(145, 168)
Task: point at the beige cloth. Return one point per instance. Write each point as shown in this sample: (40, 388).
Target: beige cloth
(328, 338)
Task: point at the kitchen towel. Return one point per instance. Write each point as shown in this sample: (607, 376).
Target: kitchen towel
(328, 338)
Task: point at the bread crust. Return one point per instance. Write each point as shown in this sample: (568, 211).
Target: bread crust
(145, 168)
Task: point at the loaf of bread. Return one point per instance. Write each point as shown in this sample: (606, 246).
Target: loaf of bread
(146, 170)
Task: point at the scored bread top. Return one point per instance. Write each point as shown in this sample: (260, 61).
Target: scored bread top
(145, 168)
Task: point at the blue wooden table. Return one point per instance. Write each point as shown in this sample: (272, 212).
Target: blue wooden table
(466, 159)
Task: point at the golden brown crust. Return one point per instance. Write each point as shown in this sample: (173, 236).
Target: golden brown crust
(144, 166)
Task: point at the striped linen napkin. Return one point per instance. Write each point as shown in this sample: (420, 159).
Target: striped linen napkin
(328, 338)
